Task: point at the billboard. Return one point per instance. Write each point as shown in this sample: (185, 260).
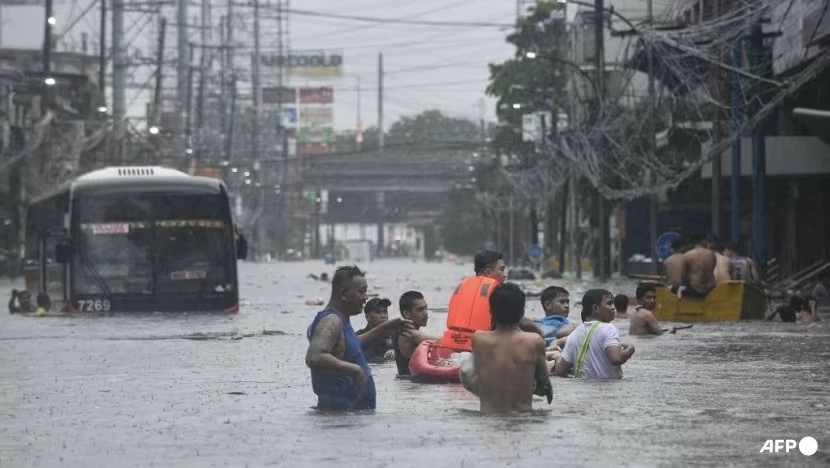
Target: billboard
(317, 117)
(308, 64)
(277, 95)
(315, 135)
(321, 95)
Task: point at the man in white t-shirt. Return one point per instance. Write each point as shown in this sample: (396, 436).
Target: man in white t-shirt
(594, 350)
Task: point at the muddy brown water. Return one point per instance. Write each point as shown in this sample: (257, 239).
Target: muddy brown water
(215, 390)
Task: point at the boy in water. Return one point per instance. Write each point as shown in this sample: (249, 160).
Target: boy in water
(621, 305)
(556, 302)
(376, 312)
(643, 321)
(508, 365)
(594, 350)
(413, 307)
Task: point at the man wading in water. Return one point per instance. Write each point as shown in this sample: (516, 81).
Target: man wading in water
(508, 364)
(594, 350)
(414, 308)
(340, 375)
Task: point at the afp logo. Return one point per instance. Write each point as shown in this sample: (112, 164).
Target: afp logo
(807, 446)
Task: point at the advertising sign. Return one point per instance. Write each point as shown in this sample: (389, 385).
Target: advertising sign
(277, 95)
(323, 135)
(312, 117)
(309, 64)
(322, 95)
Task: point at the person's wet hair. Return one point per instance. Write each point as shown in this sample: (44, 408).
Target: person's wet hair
(343, 275)
(590, 299)
(408, 299)
(644, 288)
(43, 301)
(679, 244)
(621, 302)
(733, 247)
(507, 304)
(796, 303)
(552, 292)
(486, 259)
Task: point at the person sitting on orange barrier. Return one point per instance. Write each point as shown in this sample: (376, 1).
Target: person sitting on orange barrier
(469, 309)
(413, 307)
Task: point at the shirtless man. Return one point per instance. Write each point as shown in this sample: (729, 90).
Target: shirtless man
(743, 268)
(414, 308)
(340, 375)
(643, 321)
(674, 264)
(594, 350)
(699, 270)
(508, 364)
(724, 270)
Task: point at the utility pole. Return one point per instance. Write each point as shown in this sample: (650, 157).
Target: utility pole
(230, 71)
(716, 137)
(47, 39)
(735, 177)
(204, 63)
(257, 156)
(759, 158)
(159, 73)
(652, 107)
(359, 129)
(119, 70)
(102, 53)
(381, 197)
(189, 106)
(182, 73)
(602, 268)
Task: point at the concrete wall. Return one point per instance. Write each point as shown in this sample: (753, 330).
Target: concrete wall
(785, 156)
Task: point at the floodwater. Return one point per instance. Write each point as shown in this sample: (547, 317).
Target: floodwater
(217, 390)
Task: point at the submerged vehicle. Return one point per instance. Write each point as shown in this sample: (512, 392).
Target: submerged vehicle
(135, 239)
(729, 301)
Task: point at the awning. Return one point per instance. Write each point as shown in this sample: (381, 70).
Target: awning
(817, 120)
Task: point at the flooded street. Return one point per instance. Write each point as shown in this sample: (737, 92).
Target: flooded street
(220, 390)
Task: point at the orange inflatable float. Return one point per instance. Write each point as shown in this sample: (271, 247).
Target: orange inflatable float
(469, 312)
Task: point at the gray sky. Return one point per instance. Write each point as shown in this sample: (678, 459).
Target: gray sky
(426, 66)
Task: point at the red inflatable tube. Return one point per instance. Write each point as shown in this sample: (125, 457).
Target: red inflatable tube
(423, 365)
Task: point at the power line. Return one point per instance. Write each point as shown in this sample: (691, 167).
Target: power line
(368, 19)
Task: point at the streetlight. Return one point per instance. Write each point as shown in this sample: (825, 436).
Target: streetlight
(102, 109)
(49, 81)
(189, 151)
(339, 200)
(247, 174)
(154, 130)
(517, 106)
(530, 55)
(234, 170)
(51, 20)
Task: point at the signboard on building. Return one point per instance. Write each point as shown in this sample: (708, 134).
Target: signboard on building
(322, 95)
(315, 117)
(535, 124)
(308, 64)
(289, 117)
(279, 95)
(315, 135)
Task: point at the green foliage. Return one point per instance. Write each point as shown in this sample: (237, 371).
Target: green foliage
(433, 126)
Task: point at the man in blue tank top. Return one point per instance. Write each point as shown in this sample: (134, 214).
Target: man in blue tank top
(340, 375)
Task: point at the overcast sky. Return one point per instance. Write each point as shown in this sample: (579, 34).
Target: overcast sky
(426, 66)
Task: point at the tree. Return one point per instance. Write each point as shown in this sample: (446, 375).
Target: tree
(432, 126)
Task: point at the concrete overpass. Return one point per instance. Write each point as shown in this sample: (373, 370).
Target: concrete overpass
(397, 170)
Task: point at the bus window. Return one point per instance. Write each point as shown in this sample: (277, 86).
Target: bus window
(194, 244)
(113, 245)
